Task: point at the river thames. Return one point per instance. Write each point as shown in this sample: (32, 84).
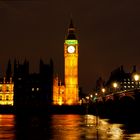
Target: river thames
(64, 127)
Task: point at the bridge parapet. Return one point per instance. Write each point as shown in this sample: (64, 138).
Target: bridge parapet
(131, 93)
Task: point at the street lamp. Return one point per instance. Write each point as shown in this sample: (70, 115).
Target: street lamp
(103, 90)
(115, 85)
(136, 78)
(96, 94)
(91, 95)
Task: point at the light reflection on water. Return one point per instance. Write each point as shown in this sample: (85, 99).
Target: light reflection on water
(7, 130)
(62, 127)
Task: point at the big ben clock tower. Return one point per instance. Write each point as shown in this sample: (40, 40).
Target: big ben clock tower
(71, 96)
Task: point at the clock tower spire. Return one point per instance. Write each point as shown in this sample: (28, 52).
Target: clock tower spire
(71, 96)
(71, 32)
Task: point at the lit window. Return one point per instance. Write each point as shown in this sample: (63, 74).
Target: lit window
(124, 86)
(19, 78)
(128, 86)
(37, 89)
(128, 82)
(132, 82)
(124, 82)
(132, 86)
(128, 79)
(7, 97)
(33, 89)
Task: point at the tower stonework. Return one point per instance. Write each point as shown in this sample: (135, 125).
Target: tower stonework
(71, 45)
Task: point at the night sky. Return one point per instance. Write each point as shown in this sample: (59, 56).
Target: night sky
(108, 33)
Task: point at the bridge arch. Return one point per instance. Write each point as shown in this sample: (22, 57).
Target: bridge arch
(127, 105)
(128, 96)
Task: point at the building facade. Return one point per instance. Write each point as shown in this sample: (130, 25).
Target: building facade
(120, 80)
(6, 92)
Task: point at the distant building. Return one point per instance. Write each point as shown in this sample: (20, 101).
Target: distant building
(6, 91)
(100, 83)
(124, 80)
(7, 87)
(33, 90)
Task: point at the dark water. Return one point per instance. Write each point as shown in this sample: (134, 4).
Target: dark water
(64, 127)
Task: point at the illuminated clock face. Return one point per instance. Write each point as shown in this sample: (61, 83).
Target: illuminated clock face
(71, 49)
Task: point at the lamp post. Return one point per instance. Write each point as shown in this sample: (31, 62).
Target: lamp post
(136, 78)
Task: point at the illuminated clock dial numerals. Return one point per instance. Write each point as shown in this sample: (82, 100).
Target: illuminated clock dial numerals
(71, 49)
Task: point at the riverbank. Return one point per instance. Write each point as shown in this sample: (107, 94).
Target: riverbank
(54, 109)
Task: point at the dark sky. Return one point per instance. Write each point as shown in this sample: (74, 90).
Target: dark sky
(108, 33)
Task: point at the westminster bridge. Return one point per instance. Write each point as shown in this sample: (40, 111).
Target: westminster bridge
(115, 103)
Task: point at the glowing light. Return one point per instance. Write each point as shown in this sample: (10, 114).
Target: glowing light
(96, 94)
(33, 89)
(71, 49)
(103, 90)
(91, 95)
(115, 85)
(136, 77)
(87, 97)
(71, 42)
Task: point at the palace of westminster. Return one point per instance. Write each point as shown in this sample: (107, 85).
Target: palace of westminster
(23, 89)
